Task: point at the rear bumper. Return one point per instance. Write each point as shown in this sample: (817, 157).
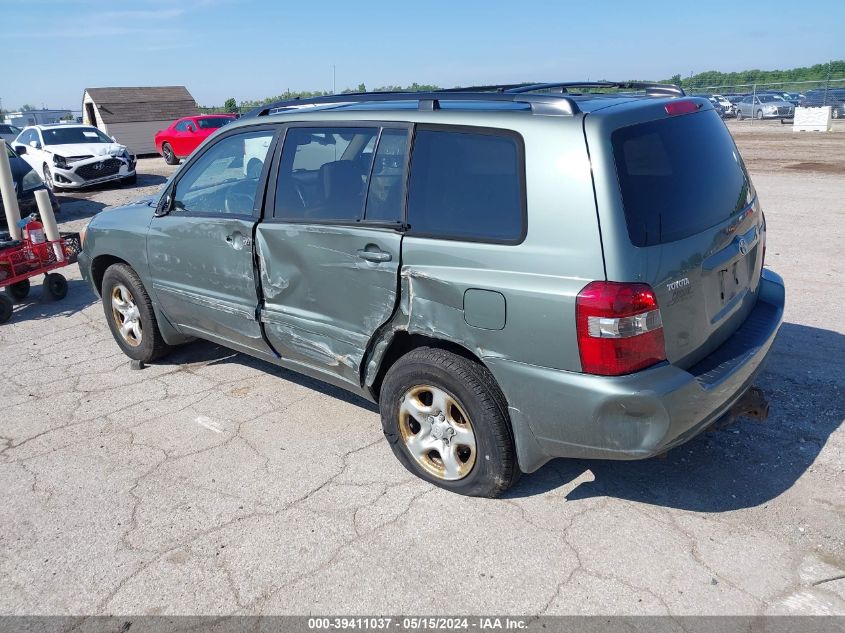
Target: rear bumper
(567, 414)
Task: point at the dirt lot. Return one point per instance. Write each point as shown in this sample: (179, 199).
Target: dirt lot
(214, 483)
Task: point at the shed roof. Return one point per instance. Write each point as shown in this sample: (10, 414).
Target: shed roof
(155, 103)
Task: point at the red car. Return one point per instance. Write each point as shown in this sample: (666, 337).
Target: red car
(185, 134)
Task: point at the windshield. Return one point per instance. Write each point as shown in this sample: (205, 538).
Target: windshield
(212, 123)
(678, 176)
(10, 151)
(769, 98)
(70, 135)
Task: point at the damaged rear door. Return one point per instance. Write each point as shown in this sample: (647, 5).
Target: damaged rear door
(329, 247)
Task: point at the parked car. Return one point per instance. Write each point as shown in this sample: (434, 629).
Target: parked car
(835, 98)
(184, 135)
(764, 106)
(727, 107)
(716, 106)
(8, 132)
(536, 275)
(26, 182)
(74, 156)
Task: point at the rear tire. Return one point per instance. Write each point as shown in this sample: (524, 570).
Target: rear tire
(19, 290)
(6, 307)
(129, 313)
(55, 286)
(169, 157)
(431, 394)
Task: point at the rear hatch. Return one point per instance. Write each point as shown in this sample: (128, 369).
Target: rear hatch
(678, 211)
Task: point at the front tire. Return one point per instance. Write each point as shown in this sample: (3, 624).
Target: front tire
(446, 421)
(739, 115)
(169, 156)
(130, 180)
(759, 115)
(129, 313)
(48, 179)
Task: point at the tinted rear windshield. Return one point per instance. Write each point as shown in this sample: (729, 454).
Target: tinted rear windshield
(679, 176)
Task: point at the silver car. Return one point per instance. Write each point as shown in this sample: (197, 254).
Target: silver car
(764, 107)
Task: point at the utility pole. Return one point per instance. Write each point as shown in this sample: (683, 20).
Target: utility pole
(334, 83)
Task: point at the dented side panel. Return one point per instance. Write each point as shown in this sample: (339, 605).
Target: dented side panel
(202, 274)
(322, 301)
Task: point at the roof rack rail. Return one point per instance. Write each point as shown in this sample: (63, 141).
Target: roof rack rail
(550, 104)
(564, 87)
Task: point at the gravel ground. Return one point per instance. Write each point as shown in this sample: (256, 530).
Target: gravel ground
(213, 483)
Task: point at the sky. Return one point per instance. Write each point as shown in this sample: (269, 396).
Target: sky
(251, 49)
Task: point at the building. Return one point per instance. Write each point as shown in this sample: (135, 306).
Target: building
(133, 115)
(38, 117)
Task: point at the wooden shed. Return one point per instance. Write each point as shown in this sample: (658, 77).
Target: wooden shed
(134, 115)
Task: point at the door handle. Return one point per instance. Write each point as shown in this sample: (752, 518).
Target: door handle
(374, 256)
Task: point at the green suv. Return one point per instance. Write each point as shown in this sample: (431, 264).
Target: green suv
(513, 273)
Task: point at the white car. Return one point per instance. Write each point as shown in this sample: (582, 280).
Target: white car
(727, 106)
(74, 156)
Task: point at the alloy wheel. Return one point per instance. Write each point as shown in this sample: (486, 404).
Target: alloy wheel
(126, 315)
(437, 432)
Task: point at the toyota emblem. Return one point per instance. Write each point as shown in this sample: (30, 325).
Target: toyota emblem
(743, 246)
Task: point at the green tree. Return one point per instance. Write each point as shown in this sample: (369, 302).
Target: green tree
(27, 107)
(676, 79)
(230, 105)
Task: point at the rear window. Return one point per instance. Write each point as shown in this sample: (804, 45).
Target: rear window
(678, 176)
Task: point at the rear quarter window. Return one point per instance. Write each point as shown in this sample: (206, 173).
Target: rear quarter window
(678, 176)
(467, 185)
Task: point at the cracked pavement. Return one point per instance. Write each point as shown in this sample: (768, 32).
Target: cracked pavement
(213, 483)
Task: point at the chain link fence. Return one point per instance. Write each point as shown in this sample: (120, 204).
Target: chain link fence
(758, 102)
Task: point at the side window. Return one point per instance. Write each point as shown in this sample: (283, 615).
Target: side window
(224, 180)
(182, 126)
(385, 197)
(323, 173)
(467, 185)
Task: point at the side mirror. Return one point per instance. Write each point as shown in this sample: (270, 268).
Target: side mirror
(20, 150)
(33, 144)
(113, 139)
(165, 204)
(191, 129)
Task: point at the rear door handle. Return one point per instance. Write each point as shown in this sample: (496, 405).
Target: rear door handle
(375, 255)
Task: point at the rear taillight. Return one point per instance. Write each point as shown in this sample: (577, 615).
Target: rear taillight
(619, 328)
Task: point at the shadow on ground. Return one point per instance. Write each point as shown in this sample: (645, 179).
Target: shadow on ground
(744, 465)
(38, 305)
(204, 352)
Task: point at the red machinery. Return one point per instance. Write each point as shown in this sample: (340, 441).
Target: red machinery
(34, 255)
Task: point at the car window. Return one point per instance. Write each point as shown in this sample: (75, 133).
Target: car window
(28, 137)
(467, 185)
(324, 173)
(224, 179)
(213, 122)
(385, 196)
(678, 176)
(71, 135)
(182, 126)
